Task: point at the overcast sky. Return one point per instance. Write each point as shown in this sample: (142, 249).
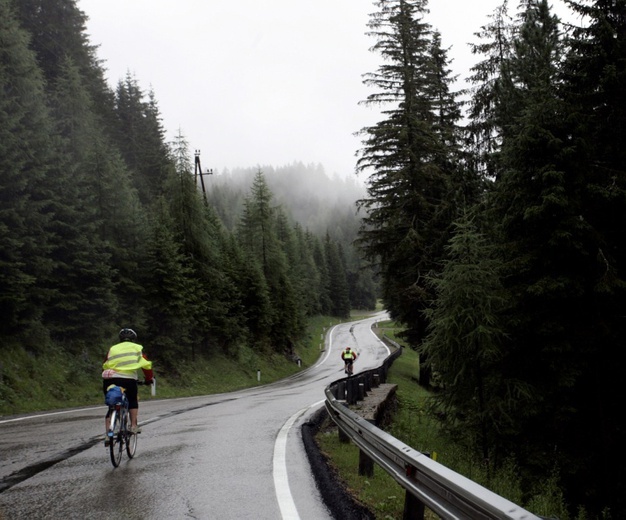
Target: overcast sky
(262, 82)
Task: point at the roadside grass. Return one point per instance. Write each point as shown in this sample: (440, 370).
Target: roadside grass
(31, 382)
(380, 493)
(411, 424)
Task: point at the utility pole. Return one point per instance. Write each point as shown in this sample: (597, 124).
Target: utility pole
(198, 172)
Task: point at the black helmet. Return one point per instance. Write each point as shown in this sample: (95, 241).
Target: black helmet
(128, 335)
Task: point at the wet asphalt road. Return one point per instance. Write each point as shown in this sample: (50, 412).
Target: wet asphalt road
(225, 456)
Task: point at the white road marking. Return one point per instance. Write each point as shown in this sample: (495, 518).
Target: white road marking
(381, 342)
(49, 414)
(288, 510)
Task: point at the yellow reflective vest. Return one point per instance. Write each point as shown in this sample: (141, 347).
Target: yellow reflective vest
(126, 358)
(348, 354)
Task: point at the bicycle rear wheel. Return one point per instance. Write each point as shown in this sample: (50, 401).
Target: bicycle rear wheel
(117, 442)
(131, 439)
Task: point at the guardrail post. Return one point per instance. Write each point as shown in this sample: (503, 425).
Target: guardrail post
(413, 507)
(375, 380)
(379, 375)
(344, 438)
(351, 391)
(341, 391)
(361, 395)
(366, 464)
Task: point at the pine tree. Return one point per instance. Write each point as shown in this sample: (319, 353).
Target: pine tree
(321, 263)
(408, 159)
(169, 291)
(25, 150)
(81, 285)
(466, 341)
(337, 282)
(57, 29)
(594, 82)
(547, 244)
(306, 273)
(485, 127)
(258, 235)
(140, 137)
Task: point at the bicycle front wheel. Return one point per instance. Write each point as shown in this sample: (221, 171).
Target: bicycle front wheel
(131, 439)
(117, 442)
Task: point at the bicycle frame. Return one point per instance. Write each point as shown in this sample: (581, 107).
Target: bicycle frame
(119, 433)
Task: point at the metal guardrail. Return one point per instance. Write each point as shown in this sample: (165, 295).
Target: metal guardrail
(426, 482)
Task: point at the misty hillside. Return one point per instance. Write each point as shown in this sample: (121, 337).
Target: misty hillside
(314, 200)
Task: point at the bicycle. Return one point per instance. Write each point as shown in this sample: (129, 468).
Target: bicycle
(119, 434)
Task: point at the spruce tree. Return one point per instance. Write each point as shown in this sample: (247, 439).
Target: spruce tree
(594, 83)
(547, 244)
(408, 159)
(58, 32)
(337, 282)
(465, 345)
(485, 127)
(258, 236)
(81, 286)
(140, 137)
(25, 151)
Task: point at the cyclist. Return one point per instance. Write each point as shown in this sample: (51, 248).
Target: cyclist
(120, 368)
(349, 357)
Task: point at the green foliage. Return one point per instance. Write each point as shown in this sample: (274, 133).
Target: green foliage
(49, 379)
(315, 206)
(466, 340)
(411, 157)
(31, 381)
(25, 156)
(412, 424)
(103, 225)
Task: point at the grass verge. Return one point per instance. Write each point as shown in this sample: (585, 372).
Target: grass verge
(414, 427)
(56, 380)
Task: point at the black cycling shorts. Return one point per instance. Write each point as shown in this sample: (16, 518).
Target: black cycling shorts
(130, 389)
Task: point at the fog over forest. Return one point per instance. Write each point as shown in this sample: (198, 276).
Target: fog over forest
(307, 193)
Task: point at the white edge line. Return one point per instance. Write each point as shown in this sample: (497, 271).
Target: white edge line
(381, 341)
(49, 414)
(288, 510)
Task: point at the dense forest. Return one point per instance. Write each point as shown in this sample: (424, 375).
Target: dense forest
(491, 224)
(104, 225)
(496, 218)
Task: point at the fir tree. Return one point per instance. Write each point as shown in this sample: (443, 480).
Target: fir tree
(466, 344)
(408, 160)
(25, 152)
(594, 82)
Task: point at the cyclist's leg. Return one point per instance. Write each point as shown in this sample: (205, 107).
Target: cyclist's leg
(107, 418)
(133, 405)
(107, 427)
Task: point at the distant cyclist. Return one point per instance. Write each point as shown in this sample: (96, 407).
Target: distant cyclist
(349, 357)
(121, 366)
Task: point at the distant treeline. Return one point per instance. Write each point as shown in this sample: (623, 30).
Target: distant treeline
(103, 224)
(498, 238)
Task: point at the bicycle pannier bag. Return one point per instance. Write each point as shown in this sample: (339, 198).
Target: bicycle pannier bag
(113, 395)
